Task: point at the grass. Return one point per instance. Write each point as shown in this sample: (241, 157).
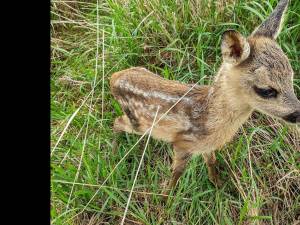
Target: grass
(179, 40)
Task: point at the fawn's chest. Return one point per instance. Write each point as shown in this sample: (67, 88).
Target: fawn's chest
(223, 127)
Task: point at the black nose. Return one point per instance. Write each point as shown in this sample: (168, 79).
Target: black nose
(293, 117)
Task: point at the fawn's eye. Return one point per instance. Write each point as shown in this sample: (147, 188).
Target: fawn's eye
(266, 92)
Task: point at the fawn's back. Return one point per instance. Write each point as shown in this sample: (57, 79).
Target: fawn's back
(140, 94)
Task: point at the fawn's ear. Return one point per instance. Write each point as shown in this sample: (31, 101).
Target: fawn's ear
(272, 25)
(235, 48)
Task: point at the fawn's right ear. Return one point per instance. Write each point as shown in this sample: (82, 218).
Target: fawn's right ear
(235, 47)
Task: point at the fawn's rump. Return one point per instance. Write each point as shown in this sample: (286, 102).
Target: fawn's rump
(141, 93)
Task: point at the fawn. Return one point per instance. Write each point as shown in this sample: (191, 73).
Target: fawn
(255, 75)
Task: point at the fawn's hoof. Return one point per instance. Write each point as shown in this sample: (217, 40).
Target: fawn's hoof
(216, 181)
(166, 190)
(115, 146)
(165, 195)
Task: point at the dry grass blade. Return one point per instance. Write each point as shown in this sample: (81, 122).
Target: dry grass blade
(89, 114)
(139, 167)
(119, 189)
(68, 123)
(103, 71)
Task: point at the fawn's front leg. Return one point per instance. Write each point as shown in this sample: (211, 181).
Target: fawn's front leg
(180, 161)
(211, 163)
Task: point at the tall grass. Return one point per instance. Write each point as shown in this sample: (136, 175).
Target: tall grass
(180, 41)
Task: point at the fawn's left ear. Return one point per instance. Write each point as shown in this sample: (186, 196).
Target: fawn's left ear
(235, 47)
(272, 25)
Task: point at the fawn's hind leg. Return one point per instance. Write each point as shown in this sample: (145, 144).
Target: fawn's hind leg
(211, 163)
(122, 123)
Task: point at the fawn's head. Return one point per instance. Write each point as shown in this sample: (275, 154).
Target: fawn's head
(259, 69)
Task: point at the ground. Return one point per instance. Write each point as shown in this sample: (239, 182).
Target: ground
(180, 40)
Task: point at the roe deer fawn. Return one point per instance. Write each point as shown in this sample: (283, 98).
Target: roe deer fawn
(255, 75)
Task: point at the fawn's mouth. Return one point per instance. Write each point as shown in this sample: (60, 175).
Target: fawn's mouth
(293, 117)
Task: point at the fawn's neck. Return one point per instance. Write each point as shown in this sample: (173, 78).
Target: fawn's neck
(228, 109)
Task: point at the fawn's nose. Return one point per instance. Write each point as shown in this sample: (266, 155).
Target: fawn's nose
(293, 117)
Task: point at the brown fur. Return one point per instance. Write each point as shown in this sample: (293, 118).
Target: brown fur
(208, 116)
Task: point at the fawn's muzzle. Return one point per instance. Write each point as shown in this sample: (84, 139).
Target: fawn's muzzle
(293, 117)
